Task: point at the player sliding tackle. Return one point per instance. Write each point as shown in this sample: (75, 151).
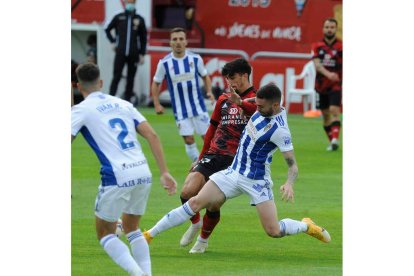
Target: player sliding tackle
(266, 131)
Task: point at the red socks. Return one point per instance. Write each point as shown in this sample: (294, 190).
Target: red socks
(335, 128)
(210, 221)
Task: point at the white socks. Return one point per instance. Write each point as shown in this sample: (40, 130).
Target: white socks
(140, 250)
(119, 252)
(173, 218)
(192, 151)
(292, 227)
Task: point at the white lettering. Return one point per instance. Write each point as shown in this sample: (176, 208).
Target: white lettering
(255, 31)
(246, 3)
(290, 33)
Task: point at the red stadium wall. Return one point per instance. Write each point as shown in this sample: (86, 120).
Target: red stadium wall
(88, 11)
(265, 25)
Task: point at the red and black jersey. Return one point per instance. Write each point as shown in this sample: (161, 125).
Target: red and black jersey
(331, 58)
(227, 124)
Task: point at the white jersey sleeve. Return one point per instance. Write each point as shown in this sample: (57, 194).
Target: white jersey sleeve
(77, 120)
(282, 139)
(160, 73)
(202, 70)
(137, 116)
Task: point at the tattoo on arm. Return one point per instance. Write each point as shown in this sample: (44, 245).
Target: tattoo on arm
(293, 169)
(290, 161)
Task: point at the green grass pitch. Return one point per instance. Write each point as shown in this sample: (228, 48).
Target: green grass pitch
(239, 245)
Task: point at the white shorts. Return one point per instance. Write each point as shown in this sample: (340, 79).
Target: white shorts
(199, 124)
(233, 184)
(112, 201)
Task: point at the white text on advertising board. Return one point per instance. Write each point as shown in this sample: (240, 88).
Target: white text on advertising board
(254, 31)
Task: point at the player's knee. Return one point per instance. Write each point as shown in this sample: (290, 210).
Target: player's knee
(196, 204)
(186, 193)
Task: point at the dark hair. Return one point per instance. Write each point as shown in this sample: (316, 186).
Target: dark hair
(239, 65)
(87, 73)
(177, 30)
(269, 92)
(333, 20)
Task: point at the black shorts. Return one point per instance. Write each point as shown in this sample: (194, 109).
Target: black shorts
(328, 99)
(212, 163)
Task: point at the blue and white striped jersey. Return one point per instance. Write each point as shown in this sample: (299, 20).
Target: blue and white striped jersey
(260, 139)
(109, 126)
(183, 83)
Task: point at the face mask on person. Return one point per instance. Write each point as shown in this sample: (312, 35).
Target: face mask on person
(130, 6)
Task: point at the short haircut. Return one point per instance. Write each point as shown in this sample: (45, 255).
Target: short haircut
(239, 66)
(88, 74)
(177, 30)
(270, 92)
(333, 20)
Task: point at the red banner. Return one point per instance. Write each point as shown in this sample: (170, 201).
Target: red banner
(265, 25)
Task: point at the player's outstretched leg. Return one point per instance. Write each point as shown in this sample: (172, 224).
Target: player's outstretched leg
(316, 231)
(174, 218)
(194, 228)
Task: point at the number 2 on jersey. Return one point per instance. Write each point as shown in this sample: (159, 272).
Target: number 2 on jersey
(124, 132)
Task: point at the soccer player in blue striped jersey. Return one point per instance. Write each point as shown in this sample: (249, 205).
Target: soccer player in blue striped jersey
(181, 69)
(266, 131)
(110, 125)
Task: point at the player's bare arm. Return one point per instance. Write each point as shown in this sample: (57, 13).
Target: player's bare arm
(155, 91)
(332, 76)
(154, 142)
(207, 84)
(287, 188)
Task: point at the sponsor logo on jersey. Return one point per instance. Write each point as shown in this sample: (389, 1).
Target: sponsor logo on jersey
(133, 182)
(286, 140)
(258, 187)
(133, 165)
(233, 110)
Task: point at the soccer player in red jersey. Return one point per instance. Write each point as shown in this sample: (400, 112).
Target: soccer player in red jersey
(228, 120)
(327, 56)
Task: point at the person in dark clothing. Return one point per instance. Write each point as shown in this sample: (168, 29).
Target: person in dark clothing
(129, 44)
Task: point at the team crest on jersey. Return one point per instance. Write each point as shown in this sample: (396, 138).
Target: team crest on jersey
(191, 64)
(135, 21)
(334, 52)
(267, 127)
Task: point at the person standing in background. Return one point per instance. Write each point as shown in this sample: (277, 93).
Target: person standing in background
(327, 56)
(182, 68)
(129, 44)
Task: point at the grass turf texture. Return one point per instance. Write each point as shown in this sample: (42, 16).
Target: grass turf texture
(239, 245)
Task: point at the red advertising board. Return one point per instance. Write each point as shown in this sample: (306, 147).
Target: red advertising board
(265, 25)
(88, 11)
